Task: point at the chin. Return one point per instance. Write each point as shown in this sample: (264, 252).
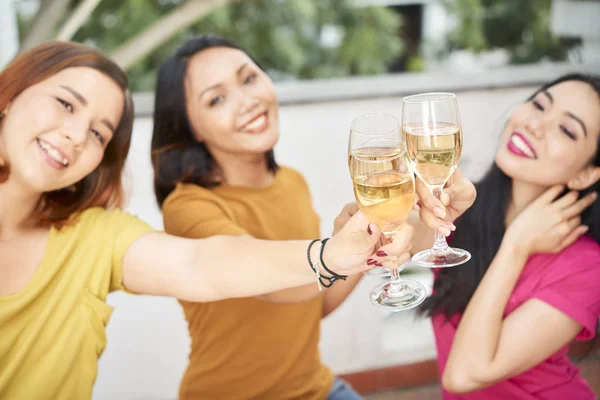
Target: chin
(268, 143)
(526, 174)
(507, 165)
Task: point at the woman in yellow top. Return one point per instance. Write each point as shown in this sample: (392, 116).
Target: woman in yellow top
(65, 128)
(215, 126)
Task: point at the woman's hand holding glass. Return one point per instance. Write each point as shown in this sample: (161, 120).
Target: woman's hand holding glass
(432, 131)
(360, 245)
(384, 189)
(457, 196)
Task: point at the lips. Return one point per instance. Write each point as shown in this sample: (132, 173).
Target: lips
(53, 155)
(520, 146)
(257, 124)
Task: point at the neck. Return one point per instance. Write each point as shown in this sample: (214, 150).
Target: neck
(523, 194)
(244, 170)
(16, 207)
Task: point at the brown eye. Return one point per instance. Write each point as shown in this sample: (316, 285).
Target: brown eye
(216, 100)
(66, 104)
(250, 78)
(98, 136)
(568, 133)
(537, 105)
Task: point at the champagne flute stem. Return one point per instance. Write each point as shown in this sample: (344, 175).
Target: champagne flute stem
(395, 284)
(439, 242)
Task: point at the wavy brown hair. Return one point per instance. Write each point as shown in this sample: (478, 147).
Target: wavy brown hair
(103, 187)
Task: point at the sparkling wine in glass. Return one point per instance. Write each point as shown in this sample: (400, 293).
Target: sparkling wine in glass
(384, 188)
(432, 131)
(364, 129)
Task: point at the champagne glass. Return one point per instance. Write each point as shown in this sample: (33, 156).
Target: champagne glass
(384, 188)
(432, 132)
(363, 129)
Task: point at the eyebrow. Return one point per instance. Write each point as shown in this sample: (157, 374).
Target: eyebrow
(83, 101)
(573, 116)
(238, 72)
(547, 93)
(79, 97)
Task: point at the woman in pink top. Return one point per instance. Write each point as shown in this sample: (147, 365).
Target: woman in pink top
(504, 320)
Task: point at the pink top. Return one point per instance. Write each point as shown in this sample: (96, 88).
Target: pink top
(568, 281)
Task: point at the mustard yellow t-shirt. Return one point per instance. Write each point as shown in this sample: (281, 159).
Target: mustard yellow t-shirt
(250, 348)
(52, 331)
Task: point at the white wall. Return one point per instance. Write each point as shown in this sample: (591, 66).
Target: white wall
(147, 337)
(9, 37)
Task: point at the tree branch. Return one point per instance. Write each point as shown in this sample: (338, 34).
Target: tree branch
(42, 28)
(163, 29)
(76, 19)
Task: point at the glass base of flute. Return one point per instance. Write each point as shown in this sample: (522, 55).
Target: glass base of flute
(378, 271)
(398, 294)
(440, 255)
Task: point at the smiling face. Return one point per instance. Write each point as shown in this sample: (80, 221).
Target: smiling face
(553, 138)
(55, 133)
(231, 103)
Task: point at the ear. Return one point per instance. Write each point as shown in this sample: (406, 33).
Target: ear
(5, 111)
(584, 179)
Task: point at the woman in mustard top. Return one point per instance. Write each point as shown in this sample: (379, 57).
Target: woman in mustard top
(65, 128)
(215, 126)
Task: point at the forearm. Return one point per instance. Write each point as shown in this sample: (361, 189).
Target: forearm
(332, 296)
(246, 267)
(474, 347)
(335, 295)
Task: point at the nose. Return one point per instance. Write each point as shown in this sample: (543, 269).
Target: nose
(248, 103)
(536, 127)
(76, 133)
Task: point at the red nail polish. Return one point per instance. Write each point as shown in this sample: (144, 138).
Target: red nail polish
(419, 204)
(379, 265)
(371, 261)
(369, 230)
(381, 253)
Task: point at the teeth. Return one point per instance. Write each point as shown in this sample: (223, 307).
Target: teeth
(257, 123)
(52, 152)
(520, 144)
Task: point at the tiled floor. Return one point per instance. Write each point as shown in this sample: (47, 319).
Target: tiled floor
(589, 365)
(422, 393)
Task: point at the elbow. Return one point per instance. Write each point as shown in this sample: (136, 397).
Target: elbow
(459, 381)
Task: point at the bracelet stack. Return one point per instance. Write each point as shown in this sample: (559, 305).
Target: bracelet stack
(322, 280)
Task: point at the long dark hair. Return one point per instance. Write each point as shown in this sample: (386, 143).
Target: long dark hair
(481, 228)
(176, 155)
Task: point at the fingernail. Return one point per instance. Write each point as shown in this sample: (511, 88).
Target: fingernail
(439, 212)
(452, 227)
(419, 204)
(379, 265)
(381, 253)
(594, 195)
(444, 231)
(371, 261)
(369, 230)
(584, 229)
